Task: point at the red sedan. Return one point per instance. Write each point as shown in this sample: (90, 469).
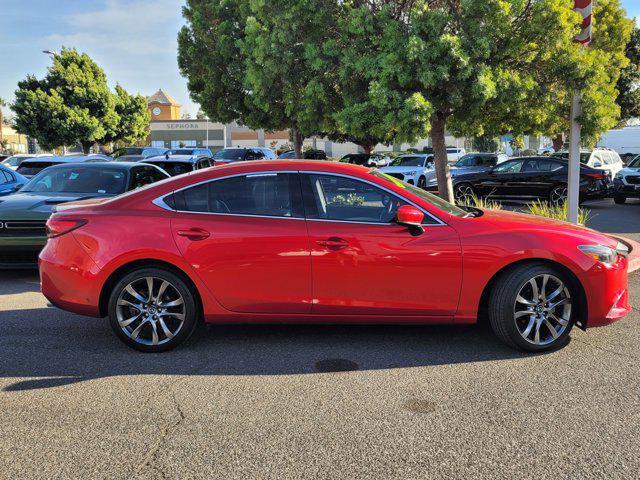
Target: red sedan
(321, 242)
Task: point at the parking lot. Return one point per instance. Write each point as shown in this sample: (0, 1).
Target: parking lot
(316, 401)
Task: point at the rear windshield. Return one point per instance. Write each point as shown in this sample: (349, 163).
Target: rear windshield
(173, 168)
(14, 161)
(409, 162)
(182, 151)
(33, 168)
(79, 179)
(229, 154)
(584, 156)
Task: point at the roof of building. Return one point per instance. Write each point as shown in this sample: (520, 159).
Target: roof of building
(162, 98)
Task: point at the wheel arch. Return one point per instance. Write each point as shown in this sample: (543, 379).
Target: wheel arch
(128, 267)
(576, 284)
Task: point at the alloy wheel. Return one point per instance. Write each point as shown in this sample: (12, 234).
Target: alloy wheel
(558, 195)
(422, 183)
(150, 311)
(464, 193)
(542, 310)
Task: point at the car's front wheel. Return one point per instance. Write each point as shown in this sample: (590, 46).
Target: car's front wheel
(152, 310)
(558, 195)
(464, 193)
(619, 199)
(422, 183)
(532, 308)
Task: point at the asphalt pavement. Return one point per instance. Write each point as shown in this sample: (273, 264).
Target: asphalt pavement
(278, 402)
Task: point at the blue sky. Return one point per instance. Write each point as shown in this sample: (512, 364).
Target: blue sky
(133, 40)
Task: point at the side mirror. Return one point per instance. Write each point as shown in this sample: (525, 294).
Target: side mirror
(18, 186)
(411, 217)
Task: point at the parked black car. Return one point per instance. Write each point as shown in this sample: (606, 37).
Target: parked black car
(307, 155)
(529, 178)
(135, 154)
(178, 165)
(228, 155)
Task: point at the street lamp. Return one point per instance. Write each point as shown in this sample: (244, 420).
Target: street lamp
(53, 53)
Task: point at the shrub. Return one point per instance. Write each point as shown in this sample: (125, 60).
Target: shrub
(557, 212)
(482, 203)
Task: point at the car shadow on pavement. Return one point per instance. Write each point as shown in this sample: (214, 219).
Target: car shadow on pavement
(46, 347)
(18, 281)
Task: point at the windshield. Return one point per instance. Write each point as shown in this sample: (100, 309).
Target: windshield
(79, 179)
(173, 168)
(229, 154)
(14, 161)
(181, 151)
(127, 151)
(635, 163)
(584, 156)
(32, 167)
(409, 161)
(428, 197)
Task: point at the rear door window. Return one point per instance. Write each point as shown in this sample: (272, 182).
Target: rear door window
(268, 195)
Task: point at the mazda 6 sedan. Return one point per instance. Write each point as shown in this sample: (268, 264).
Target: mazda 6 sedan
(321, 242)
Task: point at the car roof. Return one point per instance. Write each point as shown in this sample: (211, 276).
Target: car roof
(61, 159)
(173, 159)
(121, 165)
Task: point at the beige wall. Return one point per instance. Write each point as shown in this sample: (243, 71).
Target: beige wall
(15, 142)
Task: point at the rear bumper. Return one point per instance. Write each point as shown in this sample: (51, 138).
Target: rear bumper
(69, 277)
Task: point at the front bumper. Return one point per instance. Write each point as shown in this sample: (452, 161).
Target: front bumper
(628, 190)
(607, 292)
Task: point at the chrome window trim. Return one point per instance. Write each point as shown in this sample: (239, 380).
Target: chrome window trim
(159, 201)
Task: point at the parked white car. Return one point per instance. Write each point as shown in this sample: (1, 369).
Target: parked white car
(470, 163)
(14, 161)
(601, 158)
(454, 153)
(411, 168)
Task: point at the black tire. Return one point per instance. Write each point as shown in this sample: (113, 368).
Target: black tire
(619, 199)
(463, 192)
(558, 195)
(502, 305)
(177, 290)
(422, 183)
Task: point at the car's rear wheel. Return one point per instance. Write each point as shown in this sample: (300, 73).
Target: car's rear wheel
(619, 199)
(464, 193)
(152, 310)
(532, 308)
(558, 194)
(422, 183)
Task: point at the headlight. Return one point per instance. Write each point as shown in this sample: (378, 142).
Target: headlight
(619, 176)
(599, 253)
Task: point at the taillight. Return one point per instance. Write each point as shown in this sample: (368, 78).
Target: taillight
(60, 226)
(597, 176)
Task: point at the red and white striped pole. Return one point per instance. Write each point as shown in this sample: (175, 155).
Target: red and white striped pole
(573, 186)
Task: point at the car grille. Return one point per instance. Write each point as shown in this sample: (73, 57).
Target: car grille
(633, 179)
(396, 175)
(22, 228)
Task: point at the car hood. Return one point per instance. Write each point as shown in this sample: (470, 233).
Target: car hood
(630, 171)
(35, 205)
(515, 221)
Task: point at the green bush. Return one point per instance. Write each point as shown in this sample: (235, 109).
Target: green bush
(482, 203)
(557, 212)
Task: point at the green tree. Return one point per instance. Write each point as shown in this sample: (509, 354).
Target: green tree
(485, 143)
(71, 105)
(3, 104)
(629, 82)
(133, 118)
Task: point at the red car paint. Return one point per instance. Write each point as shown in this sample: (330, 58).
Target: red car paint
(265, 269)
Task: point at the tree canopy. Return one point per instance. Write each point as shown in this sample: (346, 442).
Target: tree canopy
(629, 82)
(73, 105)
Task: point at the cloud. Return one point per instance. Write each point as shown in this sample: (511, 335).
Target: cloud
(134, 41)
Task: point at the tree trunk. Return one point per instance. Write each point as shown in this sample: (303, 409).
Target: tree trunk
(367, 147)
(86, 146)
(445, 188)
(298, 139)
(558, 141)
